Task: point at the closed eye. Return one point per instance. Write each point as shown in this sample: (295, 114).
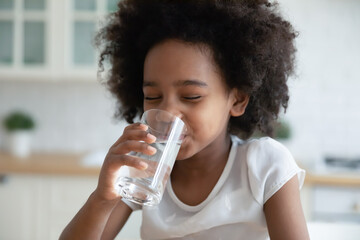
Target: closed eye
(192, 97)
(152, 98)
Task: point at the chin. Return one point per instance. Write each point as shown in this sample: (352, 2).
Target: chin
(187, 149)
(183, 153)
(181, 156)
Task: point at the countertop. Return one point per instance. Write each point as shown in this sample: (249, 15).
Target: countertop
(72, 164)
(47, 163)
(333, 179)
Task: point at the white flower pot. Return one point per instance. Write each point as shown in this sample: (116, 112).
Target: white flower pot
(20, 143)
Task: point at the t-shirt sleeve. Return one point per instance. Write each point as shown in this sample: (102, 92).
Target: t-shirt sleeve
(270, 166)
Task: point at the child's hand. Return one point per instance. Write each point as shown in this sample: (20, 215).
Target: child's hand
(135, 138)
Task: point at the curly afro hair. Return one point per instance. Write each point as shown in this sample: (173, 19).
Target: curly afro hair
(251, 43)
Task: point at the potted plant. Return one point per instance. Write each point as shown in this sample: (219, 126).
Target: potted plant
(282, 130)
(19, 126)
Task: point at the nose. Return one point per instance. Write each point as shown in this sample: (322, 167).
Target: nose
(170, 106)
(167, 115)
(163, 122)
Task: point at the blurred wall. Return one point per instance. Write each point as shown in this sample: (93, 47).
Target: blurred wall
(70, 116)
(324, 105)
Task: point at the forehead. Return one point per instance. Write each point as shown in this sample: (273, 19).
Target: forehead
(174, 60)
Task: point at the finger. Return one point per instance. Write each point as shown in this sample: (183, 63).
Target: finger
(136, 131)
(133, 126)
(137, 125)
(139, 135)
(133, 146)
(116, 161)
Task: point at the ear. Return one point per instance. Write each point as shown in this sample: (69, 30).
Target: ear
(240, 101)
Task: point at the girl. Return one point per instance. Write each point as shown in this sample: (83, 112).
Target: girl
(222, 67)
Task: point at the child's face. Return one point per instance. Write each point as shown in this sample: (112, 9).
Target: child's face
(183, 79)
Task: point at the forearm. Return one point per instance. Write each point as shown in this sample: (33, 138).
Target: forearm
(90, 221)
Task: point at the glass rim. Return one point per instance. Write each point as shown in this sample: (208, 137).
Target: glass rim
(176, 118)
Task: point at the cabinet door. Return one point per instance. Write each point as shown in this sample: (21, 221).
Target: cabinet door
(336, 204)
(66, 196)
(39, 207)
(7, 41)
(84, 17)
(23, 33)
(50, 39)
(19, 208)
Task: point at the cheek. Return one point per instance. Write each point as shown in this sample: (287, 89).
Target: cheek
(206, 121)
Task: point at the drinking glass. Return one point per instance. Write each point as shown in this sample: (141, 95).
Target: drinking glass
(146, 187)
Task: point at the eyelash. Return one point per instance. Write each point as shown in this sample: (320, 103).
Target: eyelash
(151, 98)
(187, 98)
(192, 98)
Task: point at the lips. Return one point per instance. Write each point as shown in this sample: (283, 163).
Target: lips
(184, 139)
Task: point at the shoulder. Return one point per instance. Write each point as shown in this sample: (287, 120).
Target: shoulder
(269, 165)
(263, 150)
(265, 143)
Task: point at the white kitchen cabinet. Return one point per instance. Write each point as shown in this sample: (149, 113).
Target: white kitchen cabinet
(332, 197)
(333, 231)
(336, 204)
(19, 208)
(50, 39)
(40, 206)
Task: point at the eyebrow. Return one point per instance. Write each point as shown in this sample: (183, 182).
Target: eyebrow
(192, 82)
(189, 82)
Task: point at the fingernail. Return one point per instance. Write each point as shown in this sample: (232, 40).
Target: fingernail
(151, 148)
(151, 137)
(143, 165)
(144, 126)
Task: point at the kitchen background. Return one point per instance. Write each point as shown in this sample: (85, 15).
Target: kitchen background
(48, 69)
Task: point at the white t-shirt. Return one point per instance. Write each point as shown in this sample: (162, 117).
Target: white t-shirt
(255, 170)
